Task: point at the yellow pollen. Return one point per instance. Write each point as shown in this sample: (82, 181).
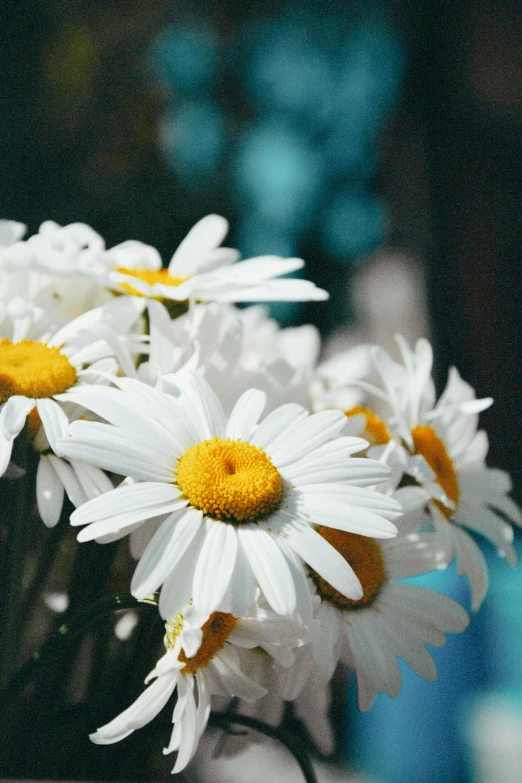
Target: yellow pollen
(427, 442)
(33, 370)
(364, 556)
(150, 276)
(216, 631)
(376, 430)
(229, 480)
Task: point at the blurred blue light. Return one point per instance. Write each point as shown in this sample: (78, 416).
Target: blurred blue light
(279, 174)
(353, 224)
(370, 76)
(185, 58)
(257, 236)
(349, 148)
(193, 139)
(289, 73)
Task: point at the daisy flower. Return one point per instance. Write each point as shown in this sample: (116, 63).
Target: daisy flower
(214, 339)
(296, 681)
(391, 619)
(201, 661)
(202, 270)
(446, 456)
(242, 496)
(36, 366)
(43, 268)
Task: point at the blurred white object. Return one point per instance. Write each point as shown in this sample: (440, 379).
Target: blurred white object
(268, 761)
(56, 602)
(495, 737)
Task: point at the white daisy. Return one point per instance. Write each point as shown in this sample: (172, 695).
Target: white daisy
(43, 269)
(446, 456)
(37, 365)
(391, 619)
(11, 231)
(201, 661)
(202, 270)
(213, 339)
(295, 680)
(242, 497)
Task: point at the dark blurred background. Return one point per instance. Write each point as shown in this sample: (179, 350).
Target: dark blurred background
(378, 140)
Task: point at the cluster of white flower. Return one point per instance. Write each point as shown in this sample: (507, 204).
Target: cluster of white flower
(276, 526)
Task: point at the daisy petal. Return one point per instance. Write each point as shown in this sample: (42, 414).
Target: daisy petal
(322, 557)
(14, 414)
(276, 423)
(205, 236)
(177, 588)
(54, 420)
(303, 436)
(6, 448)
(116, 450)
(215, 566)
(270, 569)
(69, 480)
(245, 414)
(49, 493)
(125, 499)
(144, 709)
(166, 548)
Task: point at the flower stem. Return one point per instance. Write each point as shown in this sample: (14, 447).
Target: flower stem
(66, 633)
(15, 566)
(223, 720)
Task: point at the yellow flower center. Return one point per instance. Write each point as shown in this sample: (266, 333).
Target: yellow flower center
(376, 430)
(364, 556)
(229, 480)
(427, 442)
(150, 276)
(33, 370)
(216, 631)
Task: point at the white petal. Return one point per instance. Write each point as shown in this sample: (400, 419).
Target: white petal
(113, 449)
(275, 424)
(270, 569)
(471, 562)
(49, 493)
(205, 236)
(93, 481)
(212, 417)
(144, 709)
(54, 420)
(303, 436)
(14, 414)
(69, 480)
(242, 590)
(237, 683)
(131, 412)
(124, 499)
(161, 346)
(215, 566)
(128, 520)
(263, 268)
(245, 414)
(339, 514)
(167, 547)
(177, 588)
(6, 448)
(323, 558)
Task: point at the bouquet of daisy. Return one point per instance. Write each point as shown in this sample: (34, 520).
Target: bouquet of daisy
(162, 448)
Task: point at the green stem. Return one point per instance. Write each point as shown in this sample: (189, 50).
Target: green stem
(66, 634)
(15, 566)
(293, 744)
